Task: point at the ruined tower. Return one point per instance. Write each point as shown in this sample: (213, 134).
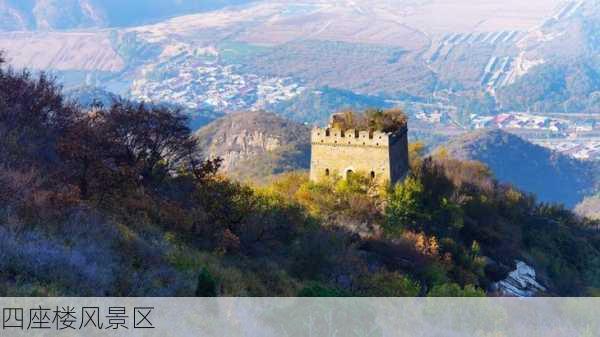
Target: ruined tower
(381, 155)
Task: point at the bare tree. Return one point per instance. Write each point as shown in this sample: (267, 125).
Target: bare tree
(150, 141)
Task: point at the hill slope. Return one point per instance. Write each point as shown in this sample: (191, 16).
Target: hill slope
(552, 177)
(105, 183)
(316, 105)
(255, 145)
(86, 96)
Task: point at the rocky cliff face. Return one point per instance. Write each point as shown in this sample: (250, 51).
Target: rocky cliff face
(255, 145)
(235, 147)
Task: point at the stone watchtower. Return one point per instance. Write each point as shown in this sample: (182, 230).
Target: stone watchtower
(381, 155)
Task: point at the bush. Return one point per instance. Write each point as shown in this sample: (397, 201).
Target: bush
(454, 290)
(319, 290)
(388, 284)
(372, 119)
(207, 285)
(405, 208)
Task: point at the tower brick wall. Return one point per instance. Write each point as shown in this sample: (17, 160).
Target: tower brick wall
(383, 156)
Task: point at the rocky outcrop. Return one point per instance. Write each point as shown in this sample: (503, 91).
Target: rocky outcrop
(247, 144)
(256, 144)
(589, 207)
(520, 282)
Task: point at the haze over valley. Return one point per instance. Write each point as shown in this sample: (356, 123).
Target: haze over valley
(527, 67)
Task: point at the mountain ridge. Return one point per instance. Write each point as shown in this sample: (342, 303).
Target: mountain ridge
(551, 176)
(49, 15)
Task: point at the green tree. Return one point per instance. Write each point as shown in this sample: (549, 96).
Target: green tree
(405, 207)
(207, 285)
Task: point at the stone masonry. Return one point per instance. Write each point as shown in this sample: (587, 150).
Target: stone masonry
(382, 156)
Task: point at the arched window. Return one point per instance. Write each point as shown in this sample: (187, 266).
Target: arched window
(372, 174)
(348, 174)
(356, 134)
(327, 172)
(327, 133)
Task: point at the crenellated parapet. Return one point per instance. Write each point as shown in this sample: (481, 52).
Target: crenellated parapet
(351, 137)
(383, 156)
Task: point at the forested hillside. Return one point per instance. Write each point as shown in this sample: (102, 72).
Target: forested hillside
(114, 202)
(551, 176)
(315, 106)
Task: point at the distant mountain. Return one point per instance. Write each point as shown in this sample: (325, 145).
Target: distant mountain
(47, 15)
(256, 145)
(18, 15)
(496, 56)
(317, 105)
(551, 176)
(559, 63)
(87, 96)
(50, 14)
